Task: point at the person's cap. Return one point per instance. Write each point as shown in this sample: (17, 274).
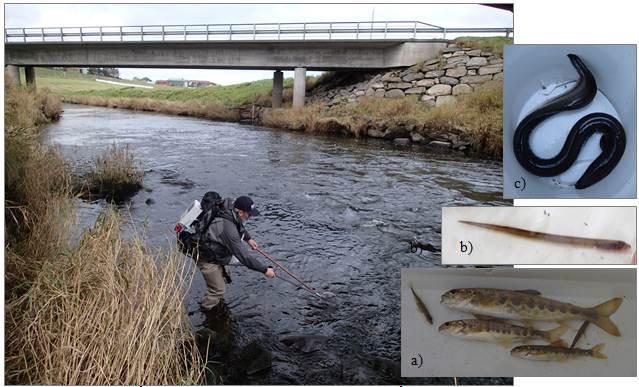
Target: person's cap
(246, 204)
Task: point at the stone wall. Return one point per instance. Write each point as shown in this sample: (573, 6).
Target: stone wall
(437, 82)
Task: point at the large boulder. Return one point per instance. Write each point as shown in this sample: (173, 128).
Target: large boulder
(400, 85)
(448, 81)
(412, 77)
(491, 69)
(434, 73)
(458, 59)
(425, 82)
(462, 89)
(440, 89)
(457, 72)
(394, 93)
(476, 62)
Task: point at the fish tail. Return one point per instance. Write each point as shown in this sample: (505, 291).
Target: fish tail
(596, 351)
(554, 335)
(601, 313)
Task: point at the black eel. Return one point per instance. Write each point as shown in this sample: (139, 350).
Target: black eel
(612, 143)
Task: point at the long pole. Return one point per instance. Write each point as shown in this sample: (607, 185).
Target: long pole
(312, 290)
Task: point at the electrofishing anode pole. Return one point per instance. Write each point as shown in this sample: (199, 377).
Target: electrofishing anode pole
(312, 290)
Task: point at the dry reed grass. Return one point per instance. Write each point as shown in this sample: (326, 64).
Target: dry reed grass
(102, 314)
(212, 111)
(116, 175)
(476, 116)
(293, 119)
(479, 117)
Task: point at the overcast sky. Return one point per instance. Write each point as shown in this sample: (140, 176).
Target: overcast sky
(76, 15)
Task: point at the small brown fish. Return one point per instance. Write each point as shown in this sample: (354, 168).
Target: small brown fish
(525, 305)
(422, 307)
(603, 244)
(552, 353)
(500, 331)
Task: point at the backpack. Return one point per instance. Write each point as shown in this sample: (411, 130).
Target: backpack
(195, 221)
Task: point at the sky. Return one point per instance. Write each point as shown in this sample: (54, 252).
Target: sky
(88, 15)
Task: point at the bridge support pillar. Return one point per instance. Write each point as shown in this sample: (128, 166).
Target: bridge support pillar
(13, 75)
(299, 87)
(29, 75)
(278, 86)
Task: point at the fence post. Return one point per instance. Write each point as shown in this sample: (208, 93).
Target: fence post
(330, 31)
(24, 36)
(444, 33)
(101, 34)
(185, 32)
(385, 29)
(120, 33)
(278, 31)
(42, 32)
(357, 33)
(61, 35)
(230, 31)
(415, 31)
(304, 32)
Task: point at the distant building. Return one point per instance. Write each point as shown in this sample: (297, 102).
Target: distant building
(199, 84)
(184, 83)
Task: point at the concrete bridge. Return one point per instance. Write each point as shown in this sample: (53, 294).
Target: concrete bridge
(276, 46)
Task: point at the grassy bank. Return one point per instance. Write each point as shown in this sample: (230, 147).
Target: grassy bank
(476, 117)
(100, 311)
(494, 44)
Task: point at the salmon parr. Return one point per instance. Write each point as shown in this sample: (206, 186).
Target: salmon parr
(499, 331)
(528, 305)
(552, 353)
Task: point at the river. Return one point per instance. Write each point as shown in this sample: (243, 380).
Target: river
(339, 212)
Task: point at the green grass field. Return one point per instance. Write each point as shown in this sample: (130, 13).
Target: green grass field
(74, 84)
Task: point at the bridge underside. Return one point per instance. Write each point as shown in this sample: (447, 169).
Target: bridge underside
(262, 55)
(277, 55)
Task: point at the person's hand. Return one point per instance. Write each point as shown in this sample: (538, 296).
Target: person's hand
(270, 273)
(252, 243)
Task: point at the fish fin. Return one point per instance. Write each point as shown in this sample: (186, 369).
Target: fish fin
(506, 343)
(601, 313)
(555, 334)
(529, 291)
(596, 351)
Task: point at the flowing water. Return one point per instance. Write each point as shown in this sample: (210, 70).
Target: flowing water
(338, 212)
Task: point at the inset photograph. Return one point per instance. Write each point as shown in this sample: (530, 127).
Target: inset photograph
(519, 322)
(539, 235)
(570, 121)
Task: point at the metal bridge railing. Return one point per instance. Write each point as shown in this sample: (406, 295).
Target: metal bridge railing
(399, 30)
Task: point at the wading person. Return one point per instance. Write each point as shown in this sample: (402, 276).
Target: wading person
(223, 240)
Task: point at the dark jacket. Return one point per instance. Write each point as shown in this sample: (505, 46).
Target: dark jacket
(224, 238)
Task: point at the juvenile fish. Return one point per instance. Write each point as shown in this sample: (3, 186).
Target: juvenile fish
(500, 331)
(603, 244)
(552, 353)
(422, 307)
(523, 305)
